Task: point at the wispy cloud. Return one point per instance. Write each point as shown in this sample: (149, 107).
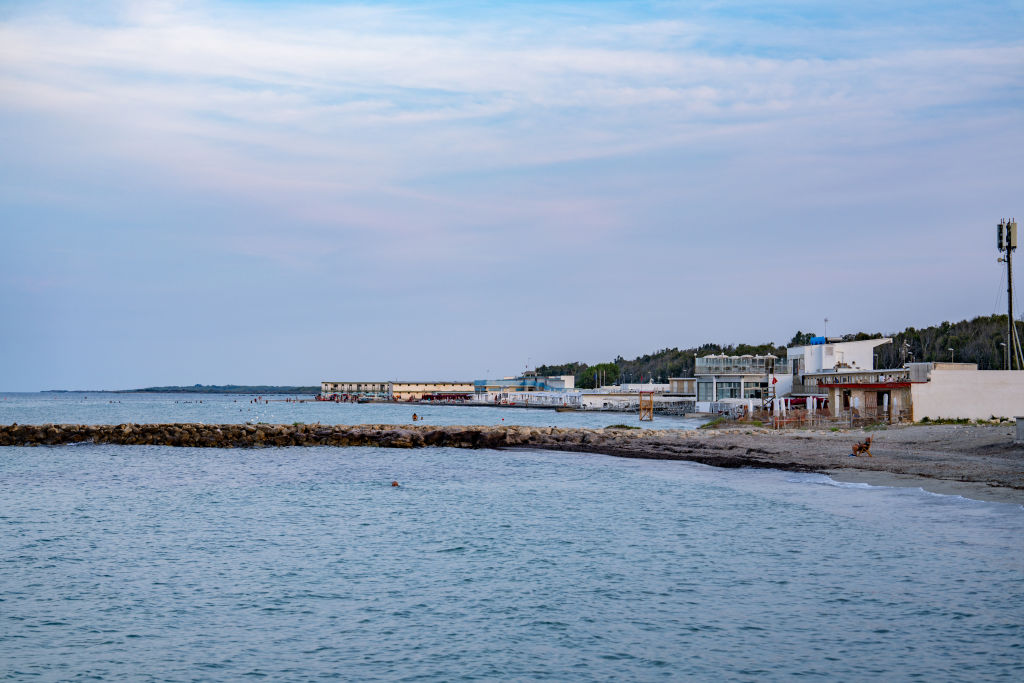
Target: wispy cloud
(454, 144)
(345, 100)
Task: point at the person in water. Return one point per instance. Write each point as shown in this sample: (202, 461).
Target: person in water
(415, 417)
(394, 483)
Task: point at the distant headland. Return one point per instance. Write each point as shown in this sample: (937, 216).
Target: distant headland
(201, 389)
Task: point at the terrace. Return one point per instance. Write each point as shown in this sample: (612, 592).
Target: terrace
(741, 365)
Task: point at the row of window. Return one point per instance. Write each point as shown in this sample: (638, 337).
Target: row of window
(705, 390)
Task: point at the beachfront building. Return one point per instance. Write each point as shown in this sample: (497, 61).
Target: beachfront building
(528, 381)
(529, 399)
(922, 390)
(414, 391)
(528, 390)
(741, 378)
(866, 393)
(830, 354)
(395, 391)
(380, 390)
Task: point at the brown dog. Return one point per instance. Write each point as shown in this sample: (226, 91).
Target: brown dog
(863, 448)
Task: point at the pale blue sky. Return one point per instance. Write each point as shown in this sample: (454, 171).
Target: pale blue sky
(276, 192)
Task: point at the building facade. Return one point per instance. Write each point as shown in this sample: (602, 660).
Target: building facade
(414, 391)
(372, 389)
(525, 382)
(394, 391)
(739, 378)
(827, 355)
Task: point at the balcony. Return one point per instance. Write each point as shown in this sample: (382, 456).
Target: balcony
(741, 365)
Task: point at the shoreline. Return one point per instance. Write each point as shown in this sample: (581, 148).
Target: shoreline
(945, 487)
(981, 460)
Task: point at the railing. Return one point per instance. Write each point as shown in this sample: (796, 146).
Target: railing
(736, 366)
(846, 380)
(809, 389)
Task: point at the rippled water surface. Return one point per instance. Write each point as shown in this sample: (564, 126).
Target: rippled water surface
(155, 563)
(86, 408)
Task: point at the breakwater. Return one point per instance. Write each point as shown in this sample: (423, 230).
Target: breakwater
(631, 443)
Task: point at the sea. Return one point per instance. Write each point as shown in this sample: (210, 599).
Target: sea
(151, 563)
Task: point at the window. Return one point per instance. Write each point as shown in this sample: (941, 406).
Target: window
(728, 390)
(704, 391)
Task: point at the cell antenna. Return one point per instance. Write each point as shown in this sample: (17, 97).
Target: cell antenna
(1006, 242)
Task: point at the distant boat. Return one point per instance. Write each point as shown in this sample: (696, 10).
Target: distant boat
(566, 409)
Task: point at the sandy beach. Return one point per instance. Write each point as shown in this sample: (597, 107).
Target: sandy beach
(976, 461)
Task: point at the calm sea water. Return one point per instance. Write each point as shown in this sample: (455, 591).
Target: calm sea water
(179, 564)
(86, 408)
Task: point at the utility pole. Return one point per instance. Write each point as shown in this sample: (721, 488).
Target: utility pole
(1006, 240)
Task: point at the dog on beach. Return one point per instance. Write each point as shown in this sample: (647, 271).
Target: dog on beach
(862, 448)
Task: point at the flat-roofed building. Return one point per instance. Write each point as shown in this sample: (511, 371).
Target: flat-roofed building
(377, 389)
(867, 393)
(830, 354)
(528, 381)
(923, 390)
(414, 391)
(721, 377)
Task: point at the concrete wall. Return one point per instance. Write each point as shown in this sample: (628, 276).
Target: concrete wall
(972, 394)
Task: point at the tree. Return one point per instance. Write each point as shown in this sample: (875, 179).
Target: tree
(801, 338)
(596, 375)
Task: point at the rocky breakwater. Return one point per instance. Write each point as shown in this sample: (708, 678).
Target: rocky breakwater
(632, 443)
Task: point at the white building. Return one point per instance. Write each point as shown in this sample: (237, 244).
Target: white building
(741, 378)
(822, 355)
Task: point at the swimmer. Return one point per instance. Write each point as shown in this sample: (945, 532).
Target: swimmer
(415, 417)
(395, 484)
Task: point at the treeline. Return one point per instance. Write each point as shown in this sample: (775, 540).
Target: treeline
(973, 341)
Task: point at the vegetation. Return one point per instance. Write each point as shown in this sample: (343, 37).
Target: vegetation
(948, 421)
(602, 374)
(973, 341)
(713, 423)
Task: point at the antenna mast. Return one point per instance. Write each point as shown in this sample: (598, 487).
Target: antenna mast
(1006, 241)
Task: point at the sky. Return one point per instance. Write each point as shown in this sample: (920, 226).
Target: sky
(284, 193)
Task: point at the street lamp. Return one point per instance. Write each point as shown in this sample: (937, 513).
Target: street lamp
(950, 355)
